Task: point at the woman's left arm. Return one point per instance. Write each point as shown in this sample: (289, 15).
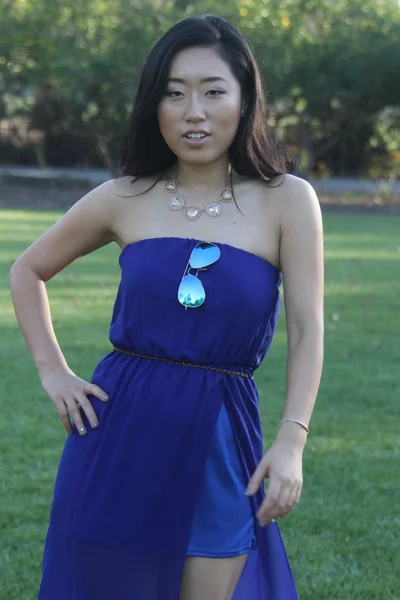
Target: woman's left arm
(301, 257)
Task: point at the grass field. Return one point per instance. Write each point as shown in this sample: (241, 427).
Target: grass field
(343, 537)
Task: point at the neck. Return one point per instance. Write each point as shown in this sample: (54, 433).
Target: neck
(200, 177)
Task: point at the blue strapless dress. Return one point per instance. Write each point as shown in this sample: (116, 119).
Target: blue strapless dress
(164, 474)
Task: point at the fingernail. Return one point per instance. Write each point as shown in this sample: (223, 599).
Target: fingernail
(249, 491)
(105, 397)
(94, 424)
(82, 431)
(264, 522)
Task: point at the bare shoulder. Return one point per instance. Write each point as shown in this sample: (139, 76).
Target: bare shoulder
(128, 185)
(301, 254)
(87, 226)
(127, 189)
(293, 185)
(301, 242)
(106, 204)
(99, 203)
(97, 210)
(130, 202)
(297, 202)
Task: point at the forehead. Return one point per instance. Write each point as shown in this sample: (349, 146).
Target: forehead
(195, 64)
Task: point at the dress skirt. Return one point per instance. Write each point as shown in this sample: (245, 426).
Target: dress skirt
(223, 524)
(164, 474)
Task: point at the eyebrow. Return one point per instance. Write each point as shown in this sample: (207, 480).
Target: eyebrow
(204, 80)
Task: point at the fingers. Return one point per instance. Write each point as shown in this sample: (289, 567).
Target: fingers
(63, 412)
(80, 401)
(269, 508)
(92, 389)
(88, 409)
(279, 501)
(76, 415)
(256, 479)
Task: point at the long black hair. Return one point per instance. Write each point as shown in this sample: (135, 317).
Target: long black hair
(255, 151)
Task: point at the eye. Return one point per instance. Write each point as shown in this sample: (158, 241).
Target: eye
(216, 92)
(171, 94)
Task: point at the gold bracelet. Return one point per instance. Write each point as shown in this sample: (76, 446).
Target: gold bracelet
(296, 421)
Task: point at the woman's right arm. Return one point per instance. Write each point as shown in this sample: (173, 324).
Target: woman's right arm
(87, 226)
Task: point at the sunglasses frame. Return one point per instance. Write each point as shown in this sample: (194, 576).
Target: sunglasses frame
(188, 268)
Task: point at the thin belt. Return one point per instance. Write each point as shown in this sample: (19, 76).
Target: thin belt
(186, 364)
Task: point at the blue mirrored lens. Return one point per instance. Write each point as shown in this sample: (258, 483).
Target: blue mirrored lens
(191, 292)
(204, 255)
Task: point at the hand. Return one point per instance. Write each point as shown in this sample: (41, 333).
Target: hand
(282, 464)
(67, 392)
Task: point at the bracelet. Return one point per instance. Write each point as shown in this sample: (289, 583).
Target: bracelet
(296, 421)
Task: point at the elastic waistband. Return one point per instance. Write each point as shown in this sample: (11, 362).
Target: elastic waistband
(244, 373)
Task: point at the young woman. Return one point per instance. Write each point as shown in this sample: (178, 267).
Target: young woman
(159, 493)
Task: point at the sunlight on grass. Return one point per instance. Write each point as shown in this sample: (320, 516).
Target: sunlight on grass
(342, 539)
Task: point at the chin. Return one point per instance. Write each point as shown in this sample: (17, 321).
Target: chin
(199, 157)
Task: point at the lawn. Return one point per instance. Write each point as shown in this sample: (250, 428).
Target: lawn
(343, 537)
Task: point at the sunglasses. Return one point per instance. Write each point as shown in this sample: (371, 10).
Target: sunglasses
(191, 293)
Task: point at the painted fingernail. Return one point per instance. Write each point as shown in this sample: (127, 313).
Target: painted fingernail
(94, 424)
(82, 431)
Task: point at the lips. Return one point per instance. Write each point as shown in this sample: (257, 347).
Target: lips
(193, 131)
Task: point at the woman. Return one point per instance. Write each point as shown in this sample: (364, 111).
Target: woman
(159, 492)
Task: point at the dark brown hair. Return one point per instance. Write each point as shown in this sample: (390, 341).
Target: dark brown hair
(255, 151)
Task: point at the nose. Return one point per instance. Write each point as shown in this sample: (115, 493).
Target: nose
(195, 110)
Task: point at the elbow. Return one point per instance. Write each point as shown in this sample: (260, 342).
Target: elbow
(14, 278)
(18, 272)
(15, 270)
(312, 330)
(12, 272)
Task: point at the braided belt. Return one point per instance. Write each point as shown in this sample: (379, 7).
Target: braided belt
(185, 364)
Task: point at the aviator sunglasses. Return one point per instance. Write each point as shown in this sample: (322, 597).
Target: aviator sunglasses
(191, 293)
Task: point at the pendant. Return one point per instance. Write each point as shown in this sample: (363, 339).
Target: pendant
(177, 202)
(192, 213)
(171, 186)
(226, 195)
(213, 209)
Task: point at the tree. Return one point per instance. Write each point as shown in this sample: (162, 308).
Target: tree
(330, 68)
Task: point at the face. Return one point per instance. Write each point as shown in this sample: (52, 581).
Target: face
(202, 95)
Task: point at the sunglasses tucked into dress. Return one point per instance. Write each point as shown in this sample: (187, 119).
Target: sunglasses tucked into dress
(191, 292)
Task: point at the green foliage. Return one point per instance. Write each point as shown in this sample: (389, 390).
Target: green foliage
(330, 68)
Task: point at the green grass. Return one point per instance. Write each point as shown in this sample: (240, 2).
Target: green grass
(343, 537)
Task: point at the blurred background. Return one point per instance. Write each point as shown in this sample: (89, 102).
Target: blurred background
(69, 72)
(68, 76)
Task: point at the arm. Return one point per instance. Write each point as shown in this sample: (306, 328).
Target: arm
(88, 225)
(301, 256)
(301, 253)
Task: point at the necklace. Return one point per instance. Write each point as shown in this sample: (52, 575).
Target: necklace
(213, 209)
